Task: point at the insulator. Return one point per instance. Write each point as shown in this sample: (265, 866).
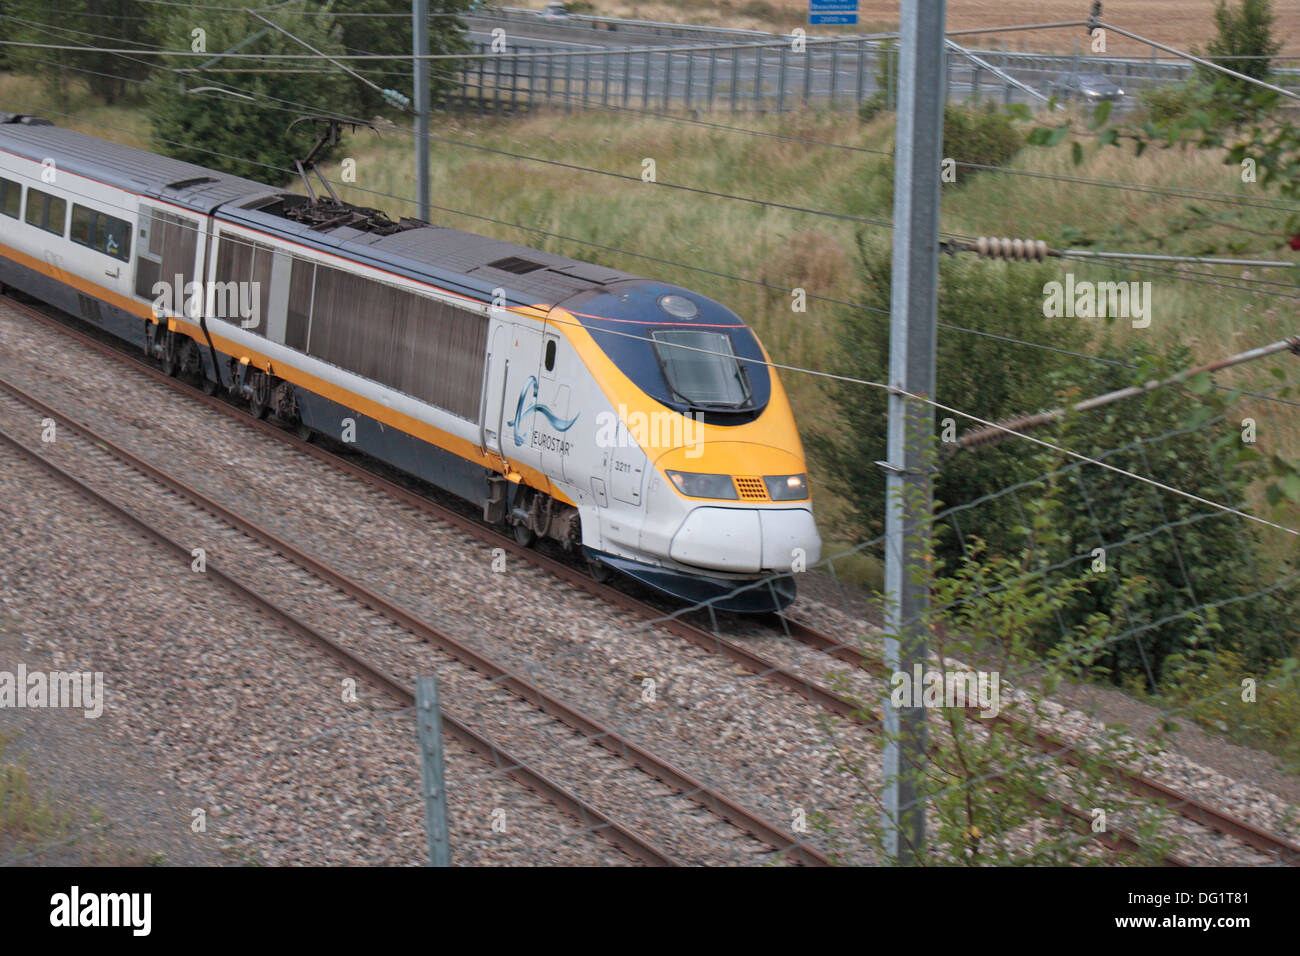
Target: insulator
(1000, 247)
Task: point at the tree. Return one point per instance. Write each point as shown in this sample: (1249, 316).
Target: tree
(991, 797)
(384, 26)
(1245, 31)
(980, 373)
(243, 130)
(1193, 554)
(85, 23)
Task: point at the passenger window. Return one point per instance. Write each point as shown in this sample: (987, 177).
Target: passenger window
(107, 234)
(81, 224)
(11, 194)
(550, 355)
(46, 212)
(117, 241)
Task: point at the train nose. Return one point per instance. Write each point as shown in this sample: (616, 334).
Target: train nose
(747, 540)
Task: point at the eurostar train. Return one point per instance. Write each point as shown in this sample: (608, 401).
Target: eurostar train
(632, 419)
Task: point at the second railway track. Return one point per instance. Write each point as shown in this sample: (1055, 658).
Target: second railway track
(479, 691)
(783, 676)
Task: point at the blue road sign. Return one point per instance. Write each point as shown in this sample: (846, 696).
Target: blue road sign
(832, 11)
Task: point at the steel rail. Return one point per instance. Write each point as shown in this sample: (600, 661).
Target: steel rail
(1190, 808)
(615, 832)
(666, 772)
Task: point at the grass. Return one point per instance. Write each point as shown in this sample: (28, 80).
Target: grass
(37, 822)
(27, 818)
(1207, 686)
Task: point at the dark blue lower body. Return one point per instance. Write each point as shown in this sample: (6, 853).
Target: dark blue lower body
(721, 594)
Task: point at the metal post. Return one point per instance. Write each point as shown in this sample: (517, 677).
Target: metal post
(713, 76)
(645, 83)
(429, 722)
(690, 77)
(586, 79)
(758, 79)
(668, 79)
(862, 69)
(496, 85)
(627, 75)
(420, 79)
(835, 71)
(568, 84)
(735, 78)
(913, 318)
(780, 81)
(532, 84)
(891, 76)
(807, 74)
(464, 86)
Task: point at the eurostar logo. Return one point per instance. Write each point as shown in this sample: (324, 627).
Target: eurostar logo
(529, 394)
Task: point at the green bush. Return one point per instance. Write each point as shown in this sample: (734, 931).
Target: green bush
(384, 27)
(982, 136)
(1190, 553)
(985, 608)
(1207, 684)
(1244, 40)
(873, 106)
(1165, 104)
(1187, 554)
(1000, 299)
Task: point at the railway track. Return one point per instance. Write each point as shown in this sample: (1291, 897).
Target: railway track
(678, 787)
(1190, 808)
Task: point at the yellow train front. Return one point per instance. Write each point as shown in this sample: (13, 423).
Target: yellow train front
(698, 478)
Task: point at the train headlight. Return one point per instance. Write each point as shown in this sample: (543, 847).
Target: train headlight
(703, 486)
(786, 487)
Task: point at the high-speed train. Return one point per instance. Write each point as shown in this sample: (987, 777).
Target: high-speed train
(630, 418)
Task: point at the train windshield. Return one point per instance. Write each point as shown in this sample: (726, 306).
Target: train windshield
(701, 368)
(689, 353)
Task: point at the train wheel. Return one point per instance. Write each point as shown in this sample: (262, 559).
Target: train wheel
(259, 403)
(190, 365)
(208, 385)
(524, 535)
(170, 355)
(304, 431)
(599, 570)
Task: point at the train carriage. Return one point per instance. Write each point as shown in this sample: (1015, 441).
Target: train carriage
(632, 419)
